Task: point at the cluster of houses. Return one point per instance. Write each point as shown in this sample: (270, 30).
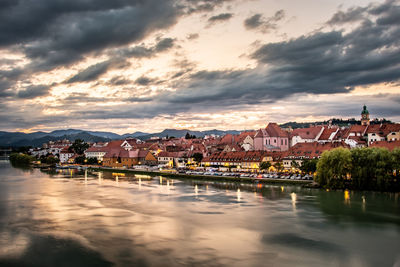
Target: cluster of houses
(244, 152)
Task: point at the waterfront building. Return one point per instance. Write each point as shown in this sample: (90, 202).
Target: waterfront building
(65, 155)
(238, 161)
(96, 152)
(302, 151)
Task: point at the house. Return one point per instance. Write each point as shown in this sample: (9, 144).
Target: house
(166, 158)
(272, 138)
(246, 140)
(65, 155)
(305, 135)
(96, 152)
(354, 136)
(145, 157)
(241, 161)
(391, 131)
(328, 134)
(118, 157)
(232, 148)
(390, 145)
(374, 133)
(302, 151)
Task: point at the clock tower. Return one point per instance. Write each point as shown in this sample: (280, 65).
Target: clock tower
(364, 116)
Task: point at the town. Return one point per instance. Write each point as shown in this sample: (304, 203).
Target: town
(271, 152)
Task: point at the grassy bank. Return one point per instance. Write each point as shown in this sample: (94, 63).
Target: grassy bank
(207, 177)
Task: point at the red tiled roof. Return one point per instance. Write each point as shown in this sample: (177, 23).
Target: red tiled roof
(97, 149)
(227, 139)
(312, 150)
(375, 128)
(307, 133)
(390, 145)
(327, 133)
(274, 130)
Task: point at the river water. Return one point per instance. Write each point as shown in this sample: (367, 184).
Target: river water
(74, 218)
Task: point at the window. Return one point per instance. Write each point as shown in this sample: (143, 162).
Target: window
(281, 142)
(275, 141)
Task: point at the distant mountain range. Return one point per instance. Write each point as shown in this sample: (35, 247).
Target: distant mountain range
(37, 139)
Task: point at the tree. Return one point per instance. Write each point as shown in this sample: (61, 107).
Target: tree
(278, 166)
(79, 146)
(197, 157)
(80, 159)
(20, 159)
(51, 160)
(396, 161)
(309, 165)
(333, 168)
(92, 161)
(265, 165)
(187, 136)
(295, 164)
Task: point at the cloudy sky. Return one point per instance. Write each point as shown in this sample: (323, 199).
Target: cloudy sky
(147, 65)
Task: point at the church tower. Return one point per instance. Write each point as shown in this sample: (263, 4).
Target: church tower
(364, 116)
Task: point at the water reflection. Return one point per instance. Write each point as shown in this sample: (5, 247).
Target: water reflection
(294, 199)
(87, 220)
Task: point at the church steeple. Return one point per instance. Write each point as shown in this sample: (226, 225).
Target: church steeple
(365, 116)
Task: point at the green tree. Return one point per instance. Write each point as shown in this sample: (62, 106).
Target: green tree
(79, 146)
(52, 160)
(197, 157)
(333, 168)
(80, 159)
(396, 162)
(20, 159)
(265, 165)
(295, 164)
(278, 166)
(309, 165)
(92, 161)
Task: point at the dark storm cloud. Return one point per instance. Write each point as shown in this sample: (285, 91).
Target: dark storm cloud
(195, 6)
(220, 17)
(119, 80)
(33, 91)
(143, 80)
(351, 15)
(258, 22)
(142, 51)
(119, 60)
(253, 21)
(55, 32)
(164, 44)
(320, 63)
(91, 73)
(192, 36)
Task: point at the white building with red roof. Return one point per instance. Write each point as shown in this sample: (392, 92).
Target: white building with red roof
(65, 155)
(305, 135)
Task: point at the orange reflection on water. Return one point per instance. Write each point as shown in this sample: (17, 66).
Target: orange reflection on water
(347, 197)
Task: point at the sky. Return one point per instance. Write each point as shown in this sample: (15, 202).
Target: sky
(147, 65)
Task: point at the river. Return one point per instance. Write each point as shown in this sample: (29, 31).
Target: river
(70, 218)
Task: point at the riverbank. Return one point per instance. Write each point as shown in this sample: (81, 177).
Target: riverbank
(206, 177)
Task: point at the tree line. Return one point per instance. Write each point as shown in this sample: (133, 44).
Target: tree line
(360, 169)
